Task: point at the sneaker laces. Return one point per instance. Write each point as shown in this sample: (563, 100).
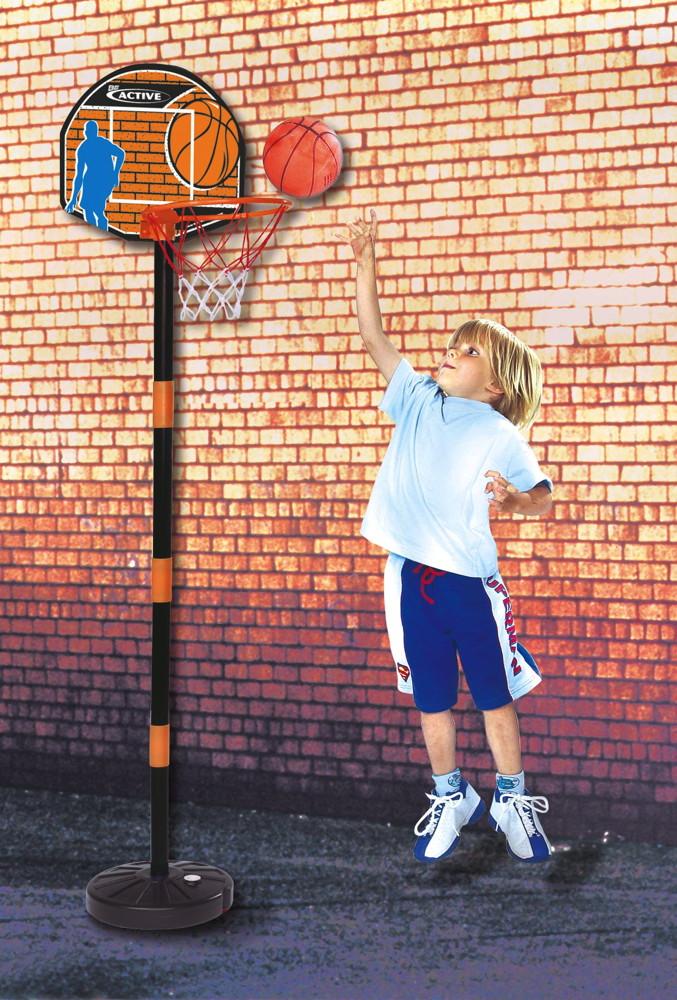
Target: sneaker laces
(435, 811)
(525, 803)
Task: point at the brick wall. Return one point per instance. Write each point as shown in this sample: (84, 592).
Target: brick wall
(519, 156)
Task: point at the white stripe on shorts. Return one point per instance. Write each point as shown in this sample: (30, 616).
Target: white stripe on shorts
(392, 594)
(520, 676)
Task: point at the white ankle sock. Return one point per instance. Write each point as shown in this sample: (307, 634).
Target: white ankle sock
(510, 782)
(447, 784)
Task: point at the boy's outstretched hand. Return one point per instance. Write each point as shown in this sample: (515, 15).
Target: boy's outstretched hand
(361, 237)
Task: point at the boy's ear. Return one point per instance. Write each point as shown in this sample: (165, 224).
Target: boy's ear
(495, 389)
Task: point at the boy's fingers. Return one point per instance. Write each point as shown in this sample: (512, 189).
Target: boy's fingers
(359, 228)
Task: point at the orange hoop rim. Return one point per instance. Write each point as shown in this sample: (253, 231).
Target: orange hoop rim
(158, 222)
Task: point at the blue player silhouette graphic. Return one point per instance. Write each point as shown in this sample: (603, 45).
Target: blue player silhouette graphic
(98, 162)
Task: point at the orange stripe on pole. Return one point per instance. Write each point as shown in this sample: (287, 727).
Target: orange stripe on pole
(163, 404)
(161, 580)
(159, 746)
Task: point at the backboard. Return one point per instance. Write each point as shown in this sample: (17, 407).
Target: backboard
(144, 135)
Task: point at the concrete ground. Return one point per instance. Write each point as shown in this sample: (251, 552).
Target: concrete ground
(330, 910)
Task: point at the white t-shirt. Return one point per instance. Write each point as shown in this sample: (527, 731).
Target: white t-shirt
(428, 502)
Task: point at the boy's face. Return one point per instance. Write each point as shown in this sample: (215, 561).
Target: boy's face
(465, 371)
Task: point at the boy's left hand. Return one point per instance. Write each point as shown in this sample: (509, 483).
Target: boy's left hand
(506, 496)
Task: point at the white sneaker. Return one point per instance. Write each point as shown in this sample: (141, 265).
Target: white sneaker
(517, 817)
(439, 836)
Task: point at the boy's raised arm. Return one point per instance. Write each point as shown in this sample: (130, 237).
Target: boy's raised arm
(362, 239)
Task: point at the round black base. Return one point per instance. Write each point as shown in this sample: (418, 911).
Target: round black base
(129, 896)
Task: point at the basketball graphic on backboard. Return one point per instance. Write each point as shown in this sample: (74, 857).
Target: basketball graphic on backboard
(203, 146)
(147, 135)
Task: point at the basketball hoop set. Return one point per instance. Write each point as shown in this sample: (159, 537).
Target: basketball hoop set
(163, 160)
(152, 153)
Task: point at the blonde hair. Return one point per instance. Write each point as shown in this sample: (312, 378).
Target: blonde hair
(515, 367)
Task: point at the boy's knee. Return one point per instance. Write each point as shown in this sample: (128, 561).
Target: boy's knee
(508, 709)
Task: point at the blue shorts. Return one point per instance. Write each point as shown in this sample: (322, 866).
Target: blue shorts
(432, 616)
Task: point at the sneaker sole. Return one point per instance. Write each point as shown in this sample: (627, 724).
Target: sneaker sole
(477, 815)
(530, 861)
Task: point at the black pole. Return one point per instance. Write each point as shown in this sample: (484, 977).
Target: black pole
(163, 422)
(161, 895)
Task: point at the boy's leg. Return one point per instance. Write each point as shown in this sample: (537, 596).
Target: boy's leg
(438, 830)
(503, 735)
(513, 810)
(439, 733)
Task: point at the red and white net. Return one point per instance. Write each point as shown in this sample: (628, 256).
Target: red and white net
(212, 278)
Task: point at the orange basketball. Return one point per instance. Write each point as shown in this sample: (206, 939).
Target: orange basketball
(202, 143)
(302, 157)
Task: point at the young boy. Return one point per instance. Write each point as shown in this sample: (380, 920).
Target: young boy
(429, 509)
